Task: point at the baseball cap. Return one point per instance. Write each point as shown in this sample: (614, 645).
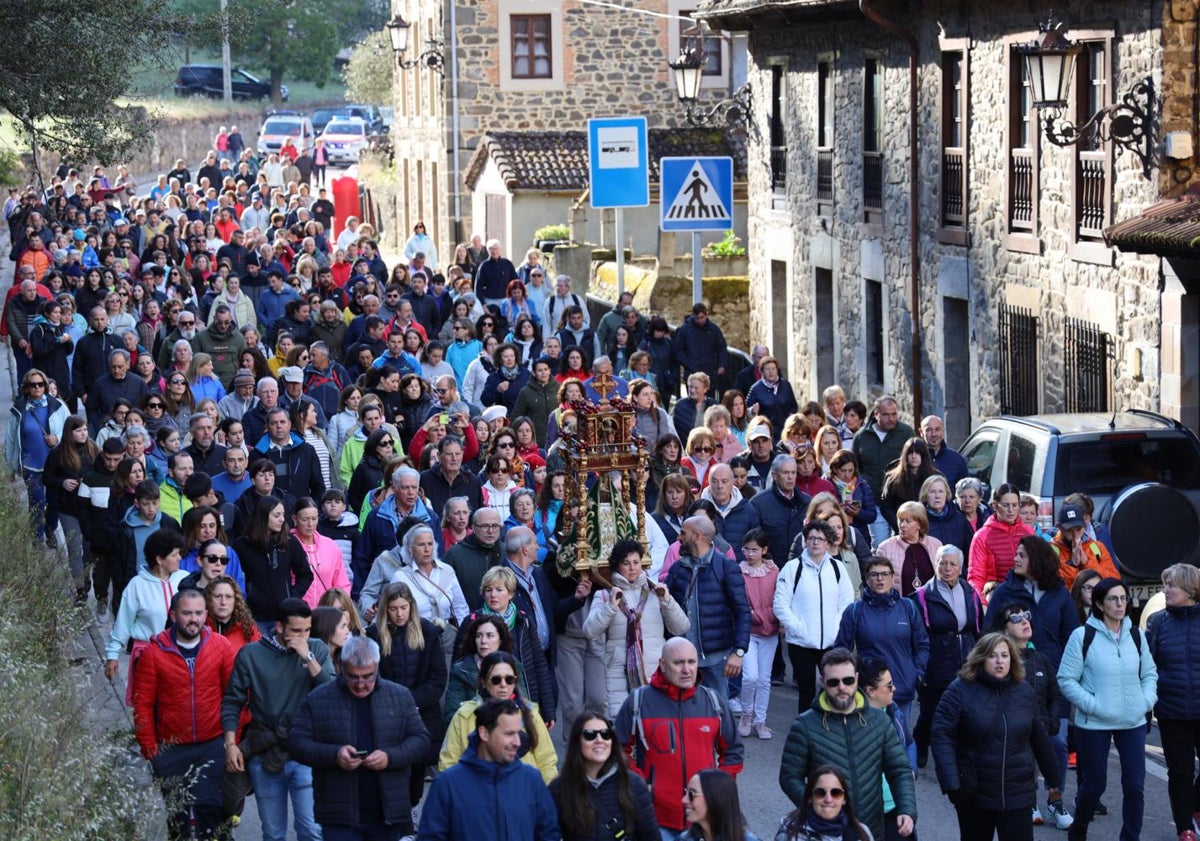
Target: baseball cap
(757, 432)
(1070, 517)
(291, 374)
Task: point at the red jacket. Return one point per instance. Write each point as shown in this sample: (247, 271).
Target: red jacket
(993, 549)
(677, 733)
(175, 704)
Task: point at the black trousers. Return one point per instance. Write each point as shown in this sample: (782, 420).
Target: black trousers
(928, 697)
(804, 669)
(977, 824)
(1181, 744)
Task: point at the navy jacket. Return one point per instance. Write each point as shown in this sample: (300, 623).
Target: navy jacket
(684, 415)
(326, 721)
(662, 364)
(493, 396)
(948, 646)
(422, 672)
(722, 622)
(985, 736)
(297, 468)
(888, 627)
(1054, 616)
(951, 527)
(780, 518)
(774, 405)
(507, 803)
(700, 348)
(734, 525)
(1174, 638)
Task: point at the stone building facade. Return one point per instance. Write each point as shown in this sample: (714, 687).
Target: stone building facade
(528, 66)
(1018, 295)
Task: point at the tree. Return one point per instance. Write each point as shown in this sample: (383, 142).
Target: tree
(62, 68)
(369, 74)
(297, 39)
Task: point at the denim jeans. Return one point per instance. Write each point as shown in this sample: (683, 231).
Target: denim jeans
(1093, 775)
(1059, 743)
(78, 550)
(271, 793)
(880, 531)
(37, 500)
(714, 678)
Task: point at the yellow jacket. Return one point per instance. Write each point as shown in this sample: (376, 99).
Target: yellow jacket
(462, 726)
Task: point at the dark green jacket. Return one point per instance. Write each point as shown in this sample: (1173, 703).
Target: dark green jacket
(537, 402)
(864, 744)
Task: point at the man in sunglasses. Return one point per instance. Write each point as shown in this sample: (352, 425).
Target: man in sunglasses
(842, 729)
(361, 735)
(674, 728)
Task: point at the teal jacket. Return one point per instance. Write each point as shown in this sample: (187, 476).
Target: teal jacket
(1113, 687)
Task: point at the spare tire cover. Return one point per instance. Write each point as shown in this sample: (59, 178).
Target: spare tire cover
(1153, 526)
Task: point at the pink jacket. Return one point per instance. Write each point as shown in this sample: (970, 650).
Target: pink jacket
(760, 592)
(993, 549)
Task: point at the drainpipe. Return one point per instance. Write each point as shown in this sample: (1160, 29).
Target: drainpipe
(909, 38)
(454, 136)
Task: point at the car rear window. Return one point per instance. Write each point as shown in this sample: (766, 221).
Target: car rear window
(344, 128)
(291, 127)
(1111, 464)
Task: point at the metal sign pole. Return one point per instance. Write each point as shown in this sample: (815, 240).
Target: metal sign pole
(697, 269)
(620, 237)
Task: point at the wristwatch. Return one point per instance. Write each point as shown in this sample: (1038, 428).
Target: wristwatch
(741, 652)
(312, 658)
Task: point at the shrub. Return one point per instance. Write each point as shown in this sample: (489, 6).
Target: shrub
(60, 777)
(552, 232)
(730, 246)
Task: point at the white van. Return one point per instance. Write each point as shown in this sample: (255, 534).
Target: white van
(277, 128)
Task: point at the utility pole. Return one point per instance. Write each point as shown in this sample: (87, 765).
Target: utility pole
(226, 79)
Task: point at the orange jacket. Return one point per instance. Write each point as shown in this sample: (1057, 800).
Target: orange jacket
(40, 259)
(1095, 557)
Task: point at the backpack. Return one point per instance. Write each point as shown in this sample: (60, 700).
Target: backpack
(554, 299)
(636, 696)
(837, 572)
(1089, 634)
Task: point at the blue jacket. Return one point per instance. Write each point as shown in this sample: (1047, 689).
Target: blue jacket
(191, 563)
(948, 646)
(734, 524)
(952, 528)
(890, 628)
(1112, 688)
(775, 405)
(952, 465)
(722, 622)
(1054, 616)
(506, 803)
(272, 304)
(460, 355)
(1174, 637)
(493, 396)
(780, 518)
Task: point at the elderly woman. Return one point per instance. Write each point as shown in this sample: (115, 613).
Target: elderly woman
(634, 618)
(1172, 637)
(772, 396)
(912, 550)
(968, 493)
(434, 585)
(953, 617)
(499, 589)
(689, 411)
(946, 522)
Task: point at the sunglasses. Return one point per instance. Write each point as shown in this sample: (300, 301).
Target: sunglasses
(154, 405)
(703, 449)
(692, 795)
(821, 793)
(833, 682)
(178, 382)
(592, 735)
(505, 445)
(36, 383)
(507, 680)
(216, 559)
(1018, 618)
(386, 442)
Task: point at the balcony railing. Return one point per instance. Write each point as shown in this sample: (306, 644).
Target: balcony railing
(779, 169)
(873, 180)
(1092, 186)
(1020, 185)
(953, 187)
(824, 175)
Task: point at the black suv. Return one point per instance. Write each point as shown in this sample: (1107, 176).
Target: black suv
(207, 80)
(1141, 469)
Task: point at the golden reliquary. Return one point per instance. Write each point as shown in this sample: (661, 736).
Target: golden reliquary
(604, 458)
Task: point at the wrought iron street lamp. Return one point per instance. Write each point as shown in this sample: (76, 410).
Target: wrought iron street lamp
(399, 31)
(1050, 64)
(688, 72)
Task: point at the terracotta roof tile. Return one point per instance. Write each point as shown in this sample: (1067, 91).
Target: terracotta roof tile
(557, 161)
(1169, 227)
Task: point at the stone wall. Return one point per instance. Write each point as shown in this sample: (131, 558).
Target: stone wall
(1180, 39)
(1120, 292)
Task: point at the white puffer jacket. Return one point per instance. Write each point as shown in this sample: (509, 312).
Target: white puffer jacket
(661, 620)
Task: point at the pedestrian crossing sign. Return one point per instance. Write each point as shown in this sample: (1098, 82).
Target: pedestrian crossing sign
(696, 194)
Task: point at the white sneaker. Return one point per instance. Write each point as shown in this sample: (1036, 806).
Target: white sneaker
(1037, 817)
(1059, 814)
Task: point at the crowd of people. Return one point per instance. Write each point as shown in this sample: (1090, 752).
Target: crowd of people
(322, 500)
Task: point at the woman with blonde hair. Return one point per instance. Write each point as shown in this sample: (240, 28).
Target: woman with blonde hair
(912, 550)
(700, 455)
(717, 421)
(411, 655)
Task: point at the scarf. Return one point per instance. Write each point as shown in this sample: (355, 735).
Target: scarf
(635, 671)
(845, 489)
(917, 565)
(835, 828)
(509, 615)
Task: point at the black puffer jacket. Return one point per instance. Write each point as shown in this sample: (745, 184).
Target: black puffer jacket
(986, 733)
(1043, 677)
(609, 820)
(422, 672)
(948, 646)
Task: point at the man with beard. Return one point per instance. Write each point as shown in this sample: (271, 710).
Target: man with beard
(223, 342)
(177, 715)
(842, 729)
